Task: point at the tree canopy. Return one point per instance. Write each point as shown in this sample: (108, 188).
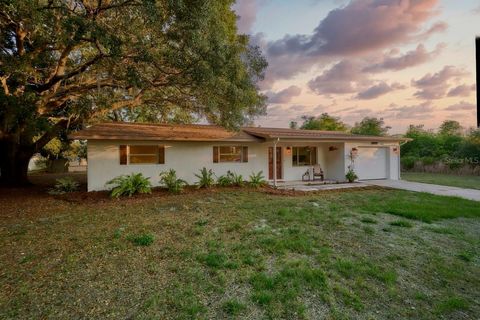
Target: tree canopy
(64, 62)
(370, 126)
(323, 122)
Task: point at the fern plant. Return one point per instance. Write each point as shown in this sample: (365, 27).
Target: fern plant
(257, 180)
(205, 178)
(128, 185)
(170, 180)
(64, 185)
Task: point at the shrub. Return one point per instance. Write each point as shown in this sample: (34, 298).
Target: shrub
(170, 180)
(408, 162)
(128, 185)
(351, 175)
(237, 180)
(205, 178)
(225, 180)
(257, 179)
(64, 185)
(144, 239)
(428, 161)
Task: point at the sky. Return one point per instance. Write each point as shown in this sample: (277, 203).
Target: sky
(406, 61)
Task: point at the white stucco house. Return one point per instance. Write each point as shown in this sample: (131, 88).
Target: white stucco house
(123, 148)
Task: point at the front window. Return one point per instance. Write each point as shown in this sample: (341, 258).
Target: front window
(230, 154)
(304, 156)
(143, 154)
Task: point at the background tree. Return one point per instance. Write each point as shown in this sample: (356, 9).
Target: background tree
(323, 122)
(370, 126)
(293, 125)
(447, 144)
(450, 128)
(63, 62)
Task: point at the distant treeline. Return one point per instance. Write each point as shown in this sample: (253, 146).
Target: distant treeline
(451, 149)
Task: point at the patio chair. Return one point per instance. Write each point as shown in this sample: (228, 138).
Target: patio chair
(318, 172)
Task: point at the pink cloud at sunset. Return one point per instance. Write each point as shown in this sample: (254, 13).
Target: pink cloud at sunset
(405, 60)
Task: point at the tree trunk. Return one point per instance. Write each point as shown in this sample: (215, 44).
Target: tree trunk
(14, 160)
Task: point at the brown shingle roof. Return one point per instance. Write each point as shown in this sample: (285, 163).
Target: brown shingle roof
(137, 131)
(196, 132)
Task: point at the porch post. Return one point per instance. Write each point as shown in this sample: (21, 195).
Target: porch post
(275, 162)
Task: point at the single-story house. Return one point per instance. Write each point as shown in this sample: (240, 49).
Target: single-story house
(122, 148)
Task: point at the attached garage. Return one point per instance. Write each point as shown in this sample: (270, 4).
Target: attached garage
(372, 163)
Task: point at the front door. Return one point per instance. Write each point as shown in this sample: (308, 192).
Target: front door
(279, 163)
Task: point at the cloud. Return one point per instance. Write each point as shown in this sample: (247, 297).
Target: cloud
(410, 59)
(421, 111)
(438, 27)
(344, 77)
(361, 26)
(476, 10)
(378, 90)
(462, 106)
(284, 96)
(246, 11)
(461, 91)
(435, 86)
(280, 116)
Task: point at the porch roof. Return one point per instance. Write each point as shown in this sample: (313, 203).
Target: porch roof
(317, 135)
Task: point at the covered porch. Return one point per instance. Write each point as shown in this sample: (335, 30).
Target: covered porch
(299, 162)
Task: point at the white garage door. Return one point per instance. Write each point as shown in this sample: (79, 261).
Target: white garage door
(371, 163)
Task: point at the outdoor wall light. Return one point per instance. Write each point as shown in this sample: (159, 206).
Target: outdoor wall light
(354, 151)
(288, 150)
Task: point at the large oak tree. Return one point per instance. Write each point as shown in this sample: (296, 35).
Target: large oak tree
(65, 62)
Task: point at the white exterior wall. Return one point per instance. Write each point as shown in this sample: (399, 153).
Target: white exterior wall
(186, 158)
(393, 159)
(336, 162)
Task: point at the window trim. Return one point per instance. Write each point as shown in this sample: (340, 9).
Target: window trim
(313, 156)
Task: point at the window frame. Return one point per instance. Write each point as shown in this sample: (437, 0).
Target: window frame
(242, 152)
(313, 156)
(159, 154)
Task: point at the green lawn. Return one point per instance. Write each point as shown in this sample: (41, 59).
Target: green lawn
(361, 254)
(471, 182)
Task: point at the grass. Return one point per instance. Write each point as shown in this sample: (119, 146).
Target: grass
(419, 206)
(470, 182)
(242, 254)
(401, 223)
(144, 239)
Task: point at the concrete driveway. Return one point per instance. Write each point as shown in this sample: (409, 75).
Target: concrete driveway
(470, 194)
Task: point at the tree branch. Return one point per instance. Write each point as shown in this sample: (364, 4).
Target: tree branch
(3, 80)
(50, 134)
(58, 78)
